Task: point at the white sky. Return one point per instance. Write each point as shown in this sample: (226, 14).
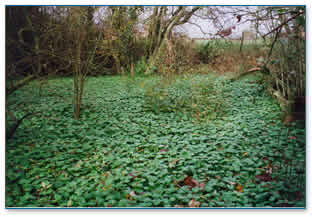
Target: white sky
(206, 25)
(226, 20)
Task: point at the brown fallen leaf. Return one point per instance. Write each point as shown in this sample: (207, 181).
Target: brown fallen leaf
(267, 185)
(190, 182)
(173, 163)
(193, 203)
(106, 188)
(239, 188)
(163, 150)
(130, 195)
(202, 186)
(291, 137)
(133, 174)
(195, 182)
(244, 154)
(288, 119)
(264, 177)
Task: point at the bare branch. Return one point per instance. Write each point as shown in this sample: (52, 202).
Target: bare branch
(188, 15)
(282, 24)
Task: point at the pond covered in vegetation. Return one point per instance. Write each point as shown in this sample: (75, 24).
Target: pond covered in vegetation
(195, 141)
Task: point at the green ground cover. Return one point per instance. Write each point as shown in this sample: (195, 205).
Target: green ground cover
(199, 140)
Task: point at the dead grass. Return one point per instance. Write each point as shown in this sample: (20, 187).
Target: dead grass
(234, 62)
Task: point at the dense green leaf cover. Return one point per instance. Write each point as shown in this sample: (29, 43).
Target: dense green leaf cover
(124, 153)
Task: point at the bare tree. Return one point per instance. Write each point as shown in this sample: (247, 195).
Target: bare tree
(81, 49)
(162, 22)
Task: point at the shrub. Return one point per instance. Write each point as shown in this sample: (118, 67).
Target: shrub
(201, 97)
(185, 53)
(207, 51)
(140, 66)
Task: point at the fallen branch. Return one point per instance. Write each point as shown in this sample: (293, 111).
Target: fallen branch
(15, 126)
(20, 84)
(254, 69)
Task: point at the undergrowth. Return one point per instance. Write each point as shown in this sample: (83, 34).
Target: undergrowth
(202, 97)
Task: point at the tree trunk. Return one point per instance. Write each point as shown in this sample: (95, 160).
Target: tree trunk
(162, 41)
(163, 29)
(77, 77)
(242, 42)
(118, 65)
(132, 69)
(20, 84)
(152, 31)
